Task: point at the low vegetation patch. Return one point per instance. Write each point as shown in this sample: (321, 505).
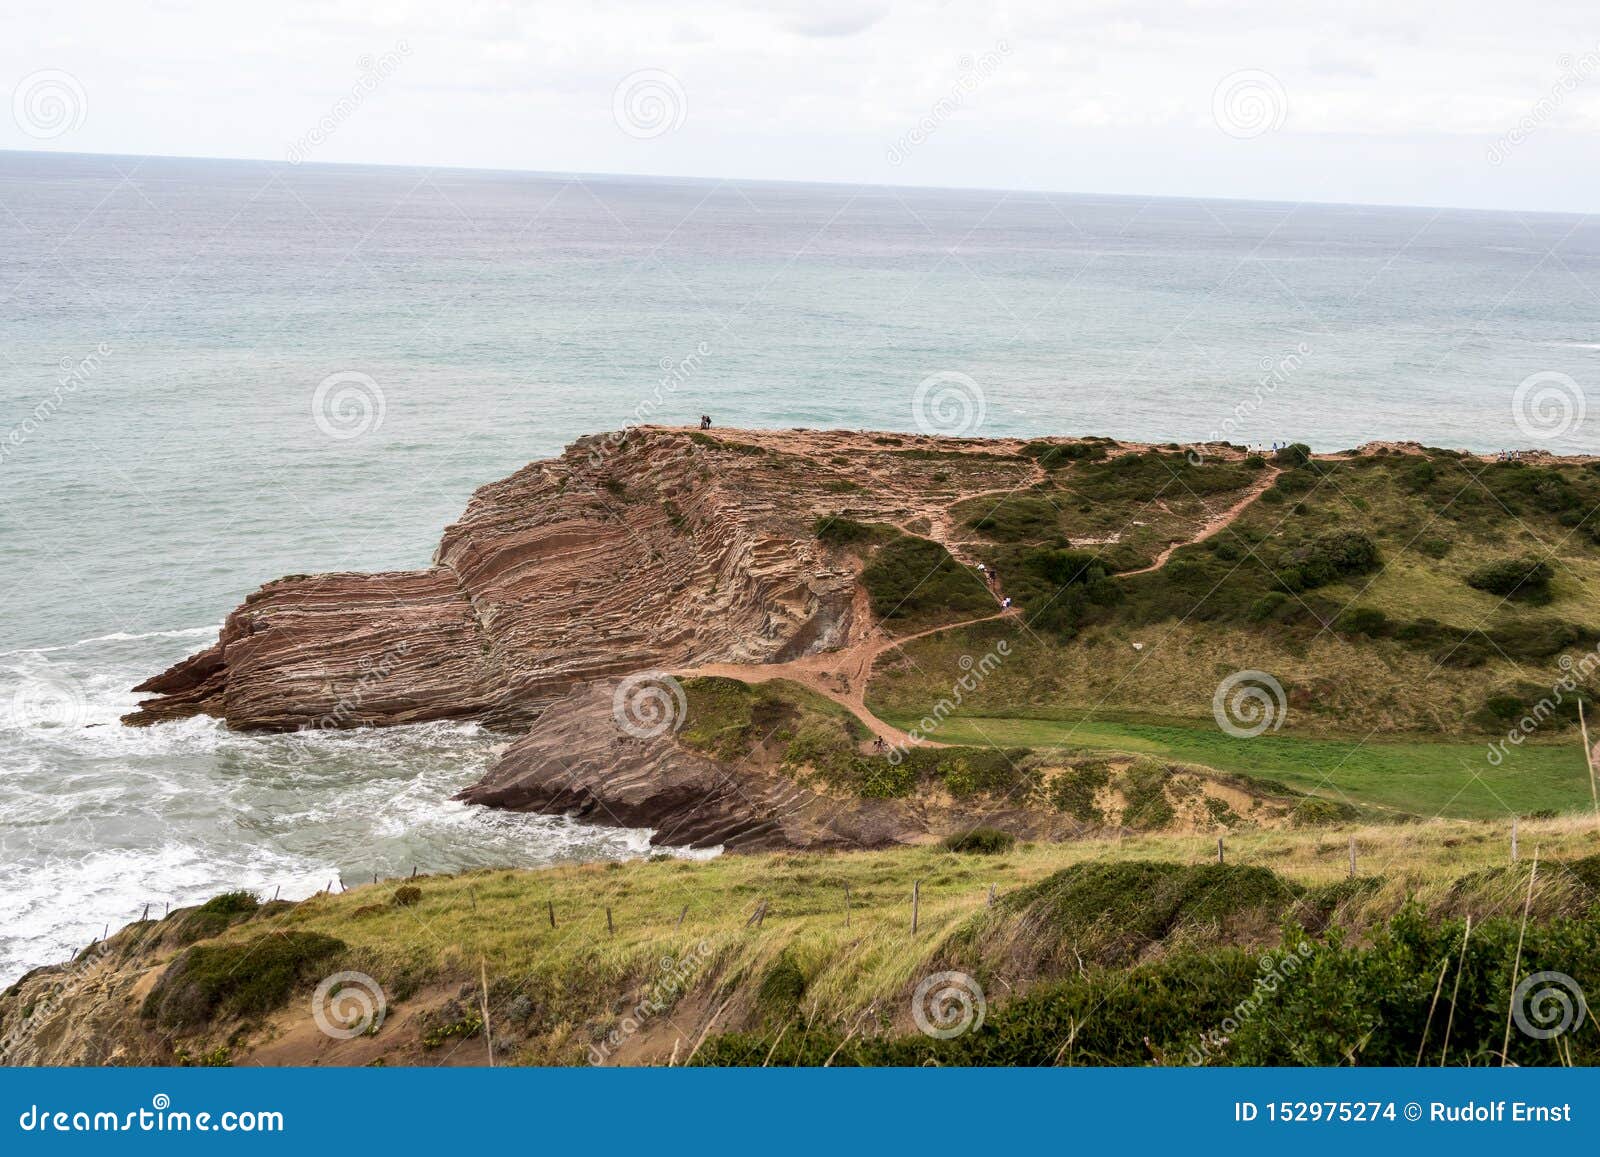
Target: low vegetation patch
(248, 978)
(982, 842)
(914, 579)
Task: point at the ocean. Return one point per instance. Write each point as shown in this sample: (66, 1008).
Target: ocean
(213, 373)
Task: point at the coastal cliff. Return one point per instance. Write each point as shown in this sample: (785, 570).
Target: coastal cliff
(628, 552)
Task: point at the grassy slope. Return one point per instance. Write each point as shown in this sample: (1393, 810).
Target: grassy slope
(1423, 778)
(580, 979)
(1395, 716)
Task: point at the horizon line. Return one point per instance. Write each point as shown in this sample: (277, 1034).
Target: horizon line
(796, 181)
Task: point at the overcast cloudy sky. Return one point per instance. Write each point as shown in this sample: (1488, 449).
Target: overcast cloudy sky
(1479, 103)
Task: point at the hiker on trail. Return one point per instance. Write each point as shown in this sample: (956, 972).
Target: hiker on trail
(878, 744)
(1005, 603)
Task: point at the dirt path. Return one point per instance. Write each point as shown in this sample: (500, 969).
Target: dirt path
(1213, 525)
(842, 675)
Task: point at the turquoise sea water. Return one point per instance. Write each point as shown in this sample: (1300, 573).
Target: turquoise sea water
(167, 441)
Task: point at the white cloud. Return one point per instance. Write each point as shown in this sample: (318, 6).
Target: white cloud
(1092, 95)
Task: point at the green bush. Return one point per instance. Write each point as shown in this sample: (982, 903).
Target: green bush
(981, 842)
(1524, 579)
(911, 578)
(838, 530)
(1328, 559)
(246, 979)
(407, 895)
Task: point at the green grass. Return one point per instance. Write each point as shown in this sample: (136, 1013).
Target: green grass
(1425, 779)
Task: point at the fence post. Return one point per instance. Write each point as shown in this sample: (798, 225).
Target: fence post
(1219, 850)
(916, 898)
(611, 929)
(550, 905)
(1513, 839)
(847, 905)
(1352, 855)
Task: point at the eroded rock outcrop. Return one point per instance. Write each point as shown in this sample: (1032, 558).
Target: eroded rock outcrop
(576, 760)
(657, 549)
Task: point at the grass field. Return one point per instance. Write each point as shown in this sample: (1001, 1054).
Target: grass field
(1422, 778)
(840, 922)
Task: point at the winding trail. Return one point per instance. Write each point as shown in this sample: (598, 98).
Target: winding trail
(842, 675)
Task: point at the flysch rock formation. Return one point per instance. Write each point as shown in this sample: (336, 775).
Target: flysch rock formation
(577, 761)
(637, 550)
(652, 549)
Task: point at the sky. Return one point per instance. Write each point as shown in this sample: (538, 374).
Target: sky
(1473, 104)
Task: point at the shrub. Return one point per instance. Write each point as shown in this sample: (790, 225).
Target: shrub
(245, 979)
(782, 986)
(1294, 454)
(407, 895)
(1328, 559)
(912, 577)
(981, 842)
(841, 531)
(1524, 579)
(1016, 517)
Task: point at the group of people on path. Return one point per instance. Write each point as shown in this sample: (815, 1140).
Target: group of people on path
(705, 421)
(992, 577)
